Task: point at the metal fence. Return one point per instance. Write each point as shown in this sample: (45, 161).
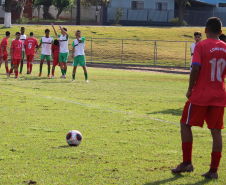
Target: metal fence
(133, 52)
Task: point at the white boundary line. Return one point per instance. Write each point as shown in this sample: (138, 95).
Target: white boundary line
(87, 105)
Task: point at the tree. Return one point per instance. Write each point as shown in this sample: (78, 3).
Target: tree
(182, 4)
(46, 4)
(7, 18)
(62, 5)
(118, 14)
(78, 13)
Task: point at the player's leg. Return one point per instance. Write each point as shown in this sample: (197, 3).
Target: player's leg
(16, 71)
(62, 69)
(11, 70)
(41, 64)
(73, 73)
(49, 67)
(193, 115)
(53, 70)
(75, 64)
(22, 62)
(214, 120)
(1, 60)
(31, 64)
(65, 57)
(82, 62)
(28, 64)
(6, 66)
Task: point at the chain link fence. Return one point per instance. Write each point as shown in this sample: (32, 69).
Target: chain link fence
(132, 52)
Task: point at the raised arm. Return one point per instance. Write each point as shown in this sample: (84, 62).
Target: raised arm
(54, 29)
(64, 31)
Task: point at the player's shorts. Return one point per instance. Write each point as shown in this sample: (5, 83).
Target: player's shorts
(23, 54)
(30, 58)
(194, 115)
(63, 57)
(55, 61)
(16, 62)
(80, 59)
(4, 57)
(47, 57)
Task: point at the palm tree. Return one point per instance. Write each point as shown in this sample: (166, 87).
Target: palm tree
(7, 19)
(181, 4)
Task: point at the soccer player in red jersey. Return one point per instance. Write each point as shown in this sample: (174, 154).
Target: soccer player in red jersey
(55, 55)
(3, 51)
(206, 97)
(30, 44)
(16, 54)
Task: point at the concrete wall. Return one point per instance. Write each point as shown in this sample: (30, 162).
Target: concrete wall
(88, 14)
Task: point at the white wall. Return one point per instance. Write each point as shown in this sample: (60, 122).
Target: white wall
(87, 13)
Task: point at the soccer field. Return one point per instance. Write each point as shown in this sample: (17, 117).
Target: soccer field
(129, 122)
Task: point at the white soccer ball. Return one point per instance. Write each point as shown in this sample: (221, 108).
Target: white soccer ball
(74, 138)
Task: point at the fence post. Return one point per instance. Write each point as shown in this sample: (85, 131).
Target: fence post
(185, 52)
(91, 50)
(155, 54)
(122, 52)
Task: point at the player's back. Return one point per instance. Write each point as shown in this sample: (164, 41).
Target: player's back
(30, 44)
(209, 89)
(17, 47)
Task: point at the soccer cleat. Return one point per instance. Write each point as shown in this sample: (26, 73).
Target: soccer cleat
(28, 72)
(40, 74)
(183, 168)
(48, 76)
(73, 80)
(210, 175)
(16, 77)
(52, 76)
(62, 76)
(8, 75)
(21, 73)
(87, 81)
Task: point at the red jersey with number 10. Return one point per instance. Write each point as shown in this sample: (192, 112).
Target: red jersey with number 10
(209, 89)
(17, 49)
(30, 44)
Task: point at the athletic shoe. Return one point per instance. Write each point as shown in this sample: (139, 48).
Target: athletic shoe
(62, 76)
(87, 81)
(210, 175)
(8, 75)
(21, 73)
(183, 168)
(28, 73)
(52, 76)
(40, 74)
(73, 80)
(16, 77)
(48, 76)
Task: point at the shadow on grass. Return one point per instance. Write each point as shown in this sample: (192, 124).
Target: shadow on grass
(177, 176)
(165, 181)
(65, 146)
(174, 112)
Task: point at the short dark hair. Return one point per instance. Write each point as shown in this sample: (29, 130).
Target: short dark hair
(17, 33)
(7, 33)
(214, 25)
(22, 28)
(198, 33)
(31, 34)
(78, 31)
(222, 37)
(65, 29)
(47, 30)
(56, 42)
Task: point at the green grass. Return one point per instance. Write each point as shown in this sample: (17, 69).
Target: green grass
(129, 122)
(115, 50)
